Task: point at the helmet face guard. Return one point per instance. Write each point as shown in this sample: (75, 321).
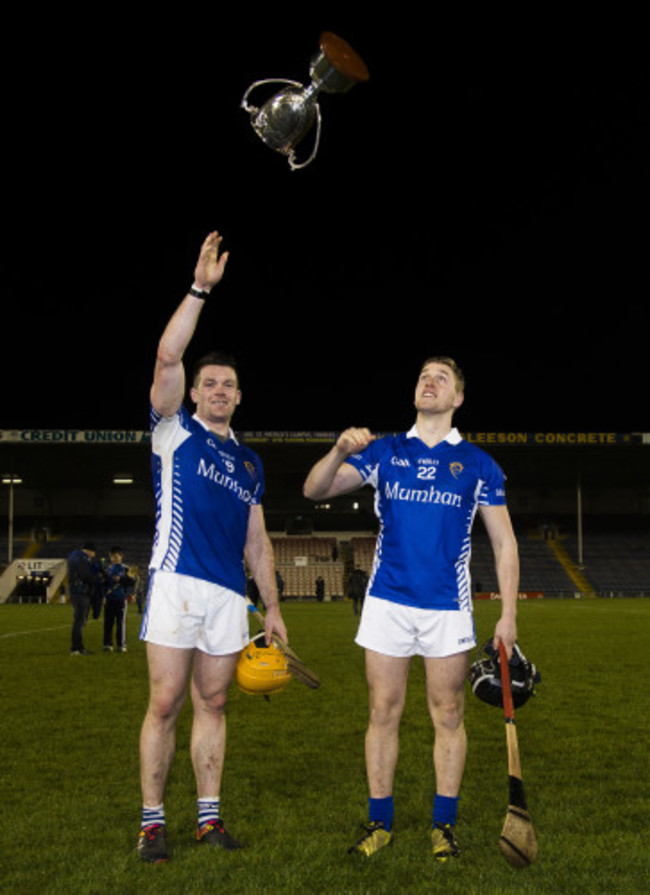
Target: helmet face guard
(261, 669)
(485, 677)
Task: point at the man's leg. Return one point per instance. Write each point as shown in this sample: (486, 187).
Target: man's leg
(80, 612)
(446, 701)
(387, 678)
(108, 624)
(168, 674)
(120, 626)
(211, 681)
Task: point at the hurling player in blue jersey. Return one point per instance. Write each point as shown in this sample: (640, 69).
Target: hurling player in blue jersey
(208, 489)
(429, 483)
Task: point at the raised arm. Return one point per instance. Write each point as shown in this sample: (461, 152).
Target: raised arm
(331, 475)
(168, 388)
(506, 557)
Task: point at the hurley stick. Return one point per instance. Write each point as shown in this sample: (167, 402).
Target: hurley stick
(518, 843)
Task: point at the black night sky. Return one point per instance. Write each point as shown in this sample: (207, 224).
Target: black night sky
(484, 194)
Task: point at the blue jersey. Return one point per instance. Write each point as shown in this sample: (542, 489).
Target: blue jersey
(204, 489)
(116, 577)
(81, 575)
(426, 500)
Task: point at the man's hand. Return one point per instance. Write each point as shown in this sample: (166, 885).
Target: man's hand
(505, 632)
(332, 475)
(353, 441)
(211, 264)
(274, 624)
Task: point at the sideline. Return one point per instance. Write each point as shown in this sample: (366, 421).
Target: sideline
(33, 631)
(42, 630)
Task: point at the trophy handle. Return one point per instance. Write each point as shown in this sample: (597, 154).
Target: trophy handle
(295, 166)
(244, 101)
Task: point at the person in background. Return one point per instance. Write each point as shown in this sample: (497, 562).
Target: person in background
(82, 578)
(118, 588)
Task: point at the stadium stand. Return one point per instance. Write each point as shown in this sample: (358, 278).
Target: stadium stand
(616, 564)
(301, 560)
(71, 498)
(539, 570)
(613, 563)
(363, 549)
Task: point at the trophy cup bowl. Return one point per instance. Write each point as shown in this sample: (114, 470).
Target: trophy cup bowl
(286, 118)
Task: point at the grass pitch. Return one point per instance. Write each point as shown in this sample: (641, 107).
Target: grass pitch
(294, 787)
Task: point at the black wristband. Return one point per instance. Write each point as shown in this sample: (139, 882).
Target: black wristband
(198, 293)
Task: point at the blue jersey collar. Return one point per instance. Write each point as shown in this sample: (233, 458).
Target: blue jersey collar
(231, 434)
(454, 436)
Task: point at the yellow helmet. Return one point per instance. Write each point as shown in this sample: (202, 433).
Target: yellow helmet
(261, 669)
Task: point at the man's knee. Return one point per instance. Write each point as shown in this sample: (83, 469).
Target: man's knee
(211, 680)
(213, 703)
(386, 707)
(448, 714)
(165, 704)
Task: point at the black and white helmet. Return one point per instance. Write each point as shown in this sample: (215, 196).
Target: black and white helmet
(485, 677)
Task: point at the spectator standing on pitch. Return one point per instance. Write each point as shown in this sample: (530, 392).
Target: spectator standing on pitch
(136, 589)
(97, 587)
(429, 484)
(208, 490)
(357, 588)
(279, 580)
(117, 591)
(82, 578)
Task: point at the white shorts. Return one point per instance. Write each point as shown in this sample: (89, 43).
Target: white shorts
(395, 630)
(188, 613)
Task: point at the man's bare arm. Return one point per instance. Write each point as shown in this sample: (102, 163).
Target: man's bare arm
(506, 556)
(168, 388)
(331, 475)
(259, 555)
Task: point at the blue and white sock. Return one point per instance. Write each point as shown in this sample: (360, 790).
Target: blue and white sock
(445, 809)
(208, 810)
(381, 810)
(153, 816)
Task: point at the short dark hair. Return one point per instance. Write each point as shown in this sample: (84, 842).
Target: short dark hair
(453, 366)
(214, 359)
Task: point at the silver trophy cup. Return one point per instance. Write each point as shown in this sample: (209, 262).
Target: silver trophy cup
(286, 118)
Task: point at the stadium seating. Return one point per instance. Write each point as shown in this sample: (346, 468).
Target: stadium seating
(539, 570)
(301, 560)
(614, 563)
